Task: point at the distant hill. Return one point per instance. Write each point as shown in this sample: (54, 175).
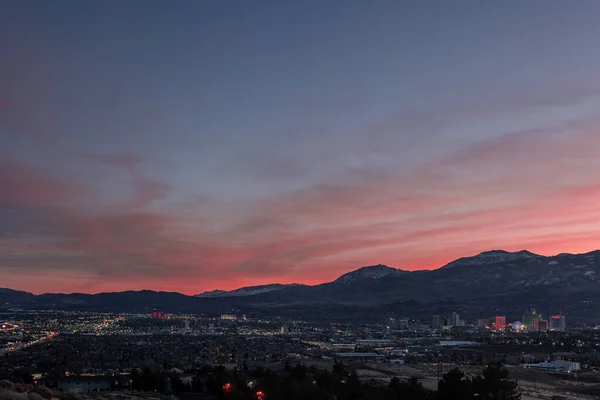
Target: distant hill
(248, 291)
(491, 282)
(369, 273)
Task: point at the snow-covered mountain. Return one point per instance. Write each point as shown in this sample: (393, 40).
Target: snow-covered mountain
(248, 291)
(369, 273)
(493, 257)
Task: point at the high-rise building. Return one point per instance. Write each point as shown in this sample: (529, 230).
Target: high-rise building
(230, 317)
(454, 319)
(284, 330)
(482, 323)
(500, 323)
(436, 322)
(155, 313)
(540, 325)
(558, 323)
(529, 319)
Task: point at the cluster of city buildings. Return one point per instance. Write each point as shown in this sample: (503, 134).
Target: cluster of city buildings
(532, 321)
(438, 322)
(233, 317)
(157, 314)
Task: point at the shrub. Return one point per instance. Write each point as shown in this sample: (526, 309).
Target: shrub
(71, 396)
(7, 385)
(34, 396)
(43, 391)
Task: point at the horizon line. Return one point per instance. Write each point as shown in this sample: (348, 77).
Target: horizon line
(295, 283)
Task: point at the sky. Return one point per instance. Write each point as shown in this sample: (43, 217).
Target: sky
(197, 145)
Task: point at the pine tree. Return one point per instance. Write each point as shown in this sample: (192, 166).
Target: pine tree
(495, 384)
(455, 386)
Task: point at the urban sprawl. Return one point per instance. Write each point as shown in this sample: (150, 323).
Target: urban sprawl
(171, 354)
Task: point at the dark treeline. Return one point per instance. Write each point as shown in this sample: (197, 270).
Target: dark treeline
(301, 383)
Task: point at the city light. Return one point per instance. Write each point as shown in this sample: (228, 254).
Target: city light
(500, 323)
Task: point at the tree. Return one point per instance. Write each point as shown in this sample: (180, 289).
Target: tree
(339, 369)
(43, 391)
(495, 385)
(177, 385)
(24, 376)
(395, 384)
(408, 390)
(7, 385)
(415, 390)
(455, 386)
(299, 372)
(352, 389)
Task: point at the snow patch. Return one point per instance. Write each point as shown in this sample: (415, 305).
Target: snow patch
(369, 273)
(493, 257)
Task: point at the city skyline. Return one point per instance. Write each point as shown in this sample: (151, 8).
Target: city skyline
(197, 146)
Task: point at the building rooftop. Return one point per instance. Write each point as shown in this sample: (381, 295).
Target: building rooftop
(85, 378)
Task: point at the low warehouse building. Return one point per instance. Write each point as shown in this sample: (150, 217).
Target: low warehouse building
(555, 366)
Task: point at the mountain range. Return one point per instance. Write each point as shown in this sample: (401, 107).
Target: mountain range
(491, 282)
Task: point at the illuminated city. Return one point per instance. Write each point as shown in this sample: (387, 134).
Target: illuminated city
(45, 346)
(299, 200)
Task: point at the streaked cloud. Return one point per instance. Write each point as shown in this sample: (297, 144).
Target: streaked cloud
(202, 151)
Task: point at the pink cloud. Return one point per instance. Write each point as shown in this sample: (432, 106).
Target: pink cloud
(471, 202)
(24, 185)
(145, 191)
(446, 211)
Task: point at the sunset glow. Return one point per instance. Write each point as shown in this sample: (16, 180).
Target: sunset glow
(189, 150)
